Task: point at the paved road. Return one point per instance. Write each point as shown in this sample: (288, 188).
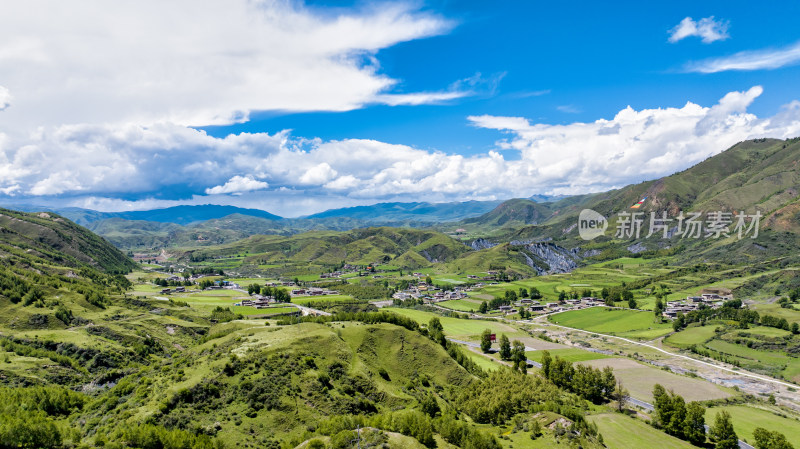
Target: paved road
(309, 311)
(737, 372)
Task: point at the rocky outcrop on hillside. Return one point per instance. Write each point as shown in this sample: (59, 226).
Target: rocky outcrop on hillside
(549, 258)
(480, 244)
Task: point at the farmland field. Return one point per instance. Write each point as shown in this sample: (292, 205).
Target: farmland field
(252, 311)
(459, 328)
(460, 305)
(569, 354)
(625, 323)
(639, 379)
(622, 432)
(691, 336)
(303, 300)
(746, 419)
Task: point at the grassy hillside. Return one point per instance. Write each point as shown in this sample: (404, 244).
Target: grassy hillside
(319, 250)
(51, 239)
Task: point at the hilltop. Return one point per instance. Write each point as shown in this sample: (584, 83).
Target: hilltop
(49, 239)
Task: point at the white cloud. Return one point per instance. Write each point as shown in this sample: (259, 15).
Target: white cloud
(750, 60)
(708, 29)
(569, 109)
(238, 184)
(150, 61)
(318, 174)
(5, 98)
(95, 166)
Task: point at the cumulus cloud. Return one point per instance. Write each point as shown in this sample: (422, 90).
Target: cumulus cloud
(149, 61)
(96, 165)
(749, 60)
(5, 98)
(238, 184)
(708, 29)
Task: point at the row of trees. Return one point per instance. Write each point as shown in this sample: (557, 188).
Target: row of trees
(590, 383)
(675, 417)
(687, 422)
(278, 293)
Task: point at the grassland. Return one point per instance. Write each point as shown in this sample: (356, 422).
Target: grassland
(253, 312)
(621, 322)
(746, 419)
(569, 354)
(623, 432)
(460, 328)
(640, 379)
(461, 305)
(691, 336)
(303, 300)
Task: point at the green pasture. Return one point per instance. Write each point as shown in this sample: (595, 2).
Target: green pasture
(459, 328)
(621, 322)
(745, 419)
(569, 354)
(623, 432)
(461, 305)
(691, 336)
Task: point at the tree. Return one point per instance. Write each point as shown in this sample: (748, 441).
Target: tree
(505, 348)
(722, 433)
(658, 309)
(562, 296)
(679, 322)
(511, 296)
(486, 340)
(546, 361)
(632, 303)
(534, 293)
(518, 353)
(483, 307)
(429, 406)
(765, 439)
(695, 423)
(253, 288)
(662, 405)
(428, 280)
(621, 395)
(435, 325)
(795, 328)
(523, 293)
(675, 426)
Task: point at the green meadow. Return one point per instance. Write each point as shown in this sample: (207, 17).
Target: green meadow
(622, 322)
(745, 419)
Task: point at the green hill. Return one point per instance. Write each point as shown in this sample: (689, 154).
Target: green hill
(358, 247)
(48, 239)
(514, 212)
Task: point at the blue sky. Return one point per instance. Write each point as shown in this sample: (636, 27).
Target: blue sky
(556, 63)
(299, 107)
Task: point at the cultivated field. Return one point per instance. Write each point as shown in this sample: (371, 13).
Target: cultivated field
(622, 432)
(459, 328)
(691, 336)
(621, 322)
(639, 379)
(746, 419)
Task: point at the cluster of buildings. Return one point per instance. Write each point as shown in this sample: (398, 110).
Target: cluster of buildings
(550, 307)
(313, 291)
(257, 301)
(431, 293)
(692, 303)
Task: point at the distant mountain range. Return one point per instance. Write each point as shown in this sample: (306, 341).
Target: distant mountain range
(758, 175)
